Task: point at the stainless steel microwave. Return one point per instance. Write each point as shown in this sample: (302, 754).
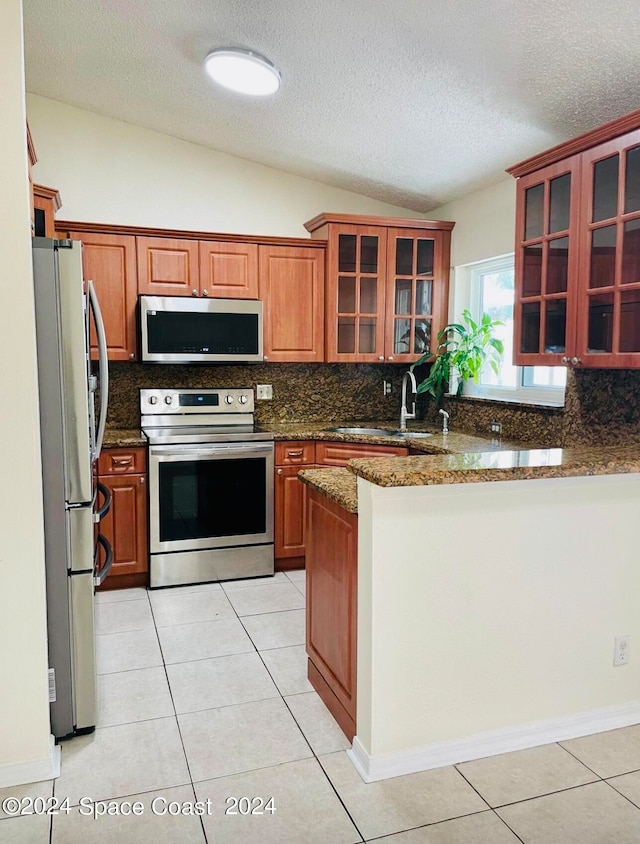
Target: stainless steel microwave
(177, 329)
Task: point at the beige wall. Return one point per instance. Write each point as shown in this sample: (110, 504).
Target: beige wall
(24, 710)
(108, 171)
(485, 223)
(471, 622)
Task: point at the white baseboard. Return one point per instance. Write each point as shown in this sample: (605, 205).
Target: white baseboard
(35, 770)
(439, 754)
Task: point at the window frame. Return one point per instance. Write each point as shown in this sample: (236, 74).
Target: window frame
(469, 295)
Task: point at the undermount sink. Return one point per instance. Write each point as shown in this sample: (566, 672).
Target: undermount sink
(379, 432)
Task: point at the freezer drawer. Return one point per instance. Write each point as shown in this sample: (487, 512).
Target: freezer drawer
(83, 651)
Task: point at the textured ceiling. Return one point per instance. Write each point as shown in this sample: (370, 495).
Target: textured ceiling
(408, 101)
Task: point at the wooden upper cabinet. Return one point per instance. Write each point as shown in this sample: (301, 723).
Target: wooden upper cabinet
(228, 270)
(168, 267)
(46, 201)
(291, 286)
(109, 260)
(578, 251)
(386, 287)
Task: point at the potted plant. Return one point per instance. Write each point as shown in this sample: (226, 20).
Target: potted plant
(464, 348)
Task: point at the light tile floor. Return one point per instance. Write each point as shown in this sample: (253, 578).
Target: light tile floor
(204, 696)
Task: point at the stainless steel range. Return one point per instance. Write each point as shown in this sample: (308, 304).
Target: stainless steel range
(210, 486)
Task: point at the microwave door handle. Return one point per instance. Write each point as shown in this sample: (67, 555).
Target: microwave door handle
(103, 367)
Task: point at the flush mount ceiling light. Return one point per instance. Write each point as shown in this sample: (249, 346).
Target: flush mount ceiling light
(243, 71)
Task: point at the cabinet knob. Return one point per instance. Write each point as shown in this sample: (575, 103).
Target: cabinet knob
(564, 359)
(205, 292)
(279, 471)
(390, 357)
(131, 356)
(194, 292)
(265, 357)
(381, 357)
(575, 361)
(142, 479)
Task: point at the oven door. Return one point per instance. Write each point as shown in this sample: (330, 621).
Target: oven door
(216, 495)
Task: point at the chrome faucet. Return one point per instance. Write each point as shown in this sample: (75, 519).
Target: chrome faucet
(445, 421)
(404, 413)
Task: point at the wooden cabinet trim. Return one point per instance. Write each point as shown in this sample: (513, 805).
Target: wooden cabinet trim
(183, 234)
(50, 194)
(367, 220)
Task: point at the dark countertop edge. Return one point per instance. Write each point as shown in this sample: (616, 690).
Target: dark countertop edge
(123, 438)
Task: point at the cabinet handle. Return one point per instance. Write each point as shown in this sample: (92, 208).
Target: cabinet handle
(194, 292)
(295, 453)
(126, 461)
(390, 357)
(279, 471)
(564, 359)
(575, 361)
(205, 292)
(381, 357)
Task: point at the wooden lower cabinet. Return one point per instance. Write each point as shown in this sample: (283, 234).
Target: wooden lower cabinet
(125, 525)
(332, 586)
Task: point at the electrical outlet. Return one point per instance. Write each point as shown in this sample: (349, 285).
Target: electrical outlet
(496, 428)
(621, 650)
(386, 388)
(264, 391)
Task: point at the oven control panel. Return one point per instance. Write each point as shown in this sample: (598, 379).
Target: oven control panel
(225, 400)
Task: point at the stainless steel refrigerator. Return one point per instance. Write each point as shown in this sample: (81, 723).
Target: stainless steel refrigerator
(71, 439)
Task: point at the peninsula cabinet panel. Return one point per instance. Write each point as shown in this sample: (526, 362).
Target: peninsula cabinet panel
(228, 270)
(291, 286)
(109, 260)
(332, 583)
(168, 267)
(125, 526)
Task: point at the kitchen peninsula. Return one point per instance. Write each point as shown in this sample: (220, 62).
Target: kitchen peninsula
(490, 589)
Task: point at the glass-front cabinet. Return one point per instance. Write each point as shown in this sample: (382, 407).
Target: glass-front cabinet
(386, 286)
(578, 251)
(609, 309)
(546, 223)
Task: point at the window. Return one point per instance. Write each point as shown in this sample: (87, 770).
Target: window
(489, 286)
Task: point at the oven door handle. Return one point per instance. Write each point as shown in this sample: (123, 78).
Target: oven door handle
(209, 451)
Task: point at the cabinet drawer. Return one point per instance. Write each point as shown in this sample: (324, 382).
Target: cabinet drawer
(290, 453)
(121, 461)
(339, 454)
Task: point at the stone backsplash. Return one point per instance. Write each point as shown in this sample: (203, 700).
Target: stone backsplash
(301, 392)
(601, 406)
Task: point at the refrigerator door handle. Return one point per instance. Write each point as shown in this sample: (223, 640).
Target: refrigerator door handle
(101, 512)
(103, 366)
(100, 576)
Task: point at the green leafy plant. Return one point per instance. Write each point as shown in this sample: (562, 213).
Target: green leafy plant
(464, 348)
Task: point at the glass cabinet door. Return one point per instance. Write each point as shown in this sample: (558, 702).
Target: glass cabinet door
(416, 293)
(546, 253)
(609, 304)
(356, 284)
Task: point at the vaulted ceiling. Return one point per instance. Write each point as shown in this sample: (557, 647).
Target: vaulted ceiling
(408, 101)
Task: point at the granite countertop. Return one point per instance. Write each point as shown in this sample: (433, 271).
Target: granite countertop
(451, 443)
(509, 465)
(339, 485)
(124, 438)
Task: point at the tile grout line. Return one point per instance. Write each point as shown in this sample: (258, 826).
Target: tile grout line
(184, 752)
(635, 805)
(577, 758)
